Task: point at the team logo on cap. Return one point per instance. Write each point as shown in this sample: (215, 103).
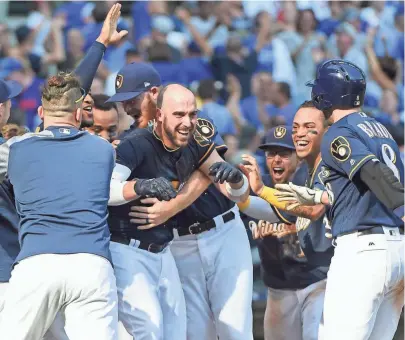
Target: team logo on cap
(280, 132)
(203, 132)
(118, 81)
(340, 149)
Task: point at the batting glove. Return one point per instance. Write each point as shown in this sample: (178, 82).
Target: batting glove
(302, 195)
(160, 188)
(223, 171)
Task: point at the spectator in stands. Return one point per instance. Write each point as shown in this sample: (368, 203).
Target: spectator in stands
(74, 49)
(11, 130)
(30, 98)
(301, 43)
(328, 25)
(220, 115)
(273, 57)
(237, 60)
(105, 118)
(256, 109)
(162, 26)
(346, 36)
(284, 110)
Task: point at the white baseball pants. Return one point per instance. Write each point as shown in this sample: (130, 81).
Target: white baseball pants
(150, 299)
(295, 314)
(365, 288)
(216, 274)
(80, 286)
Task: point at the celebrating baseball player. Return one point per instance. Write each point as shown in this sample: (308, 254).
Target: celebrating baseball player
(168, 150)
(211, 309)
(297, 280)
(363, 178)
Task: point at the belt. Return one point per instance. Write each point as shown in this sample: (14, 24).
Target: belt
(151, 247)
(376, 230)
(198, 228)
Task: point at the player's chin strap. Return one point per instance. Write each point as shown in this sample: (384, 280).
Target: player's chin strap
(235, 193)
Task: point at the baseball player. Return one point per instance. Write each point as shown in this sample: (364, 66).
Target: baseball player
(363, 179)
(170, 149)
(296, 280)
(64, 262)
(211, 310)
(105, 118)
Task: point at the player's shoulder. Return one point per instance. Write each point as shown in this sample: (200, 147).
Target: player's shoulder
(204, 131)
(301, 174)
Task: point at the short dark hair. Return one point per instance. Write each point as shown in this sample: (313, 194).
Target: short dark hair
(284, 89)
(99, 12)
(306, 104)
(389, 66)
(131, 51)
(310, 104)
(100, 103)
(160, 97)
(206, 89)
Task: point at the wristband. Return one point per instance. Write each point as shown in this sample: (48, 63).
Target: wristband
(238, 192)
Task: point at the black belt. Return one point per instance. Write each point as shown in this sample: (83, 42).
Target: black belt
(371, 231)
(198, 228)
(151, 247)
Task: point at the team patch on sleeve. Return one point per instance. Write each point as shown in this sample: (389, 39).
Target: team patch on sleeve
(204, 132)
(340, 149)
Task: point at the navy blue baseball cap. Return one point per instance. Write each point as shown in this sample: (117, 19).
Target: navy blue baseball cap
(279, 136)
(134, 79)
(9, 89)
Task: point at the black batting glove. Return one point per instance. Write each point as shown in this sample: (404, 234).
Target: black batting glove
(160, 188)
(223, 171)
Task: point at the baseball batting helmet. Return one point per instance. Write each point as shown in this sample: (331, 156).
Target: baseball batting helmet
(339, 84)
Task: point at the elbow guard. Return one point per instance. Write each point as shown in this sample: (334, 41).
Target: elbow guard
(381, 180)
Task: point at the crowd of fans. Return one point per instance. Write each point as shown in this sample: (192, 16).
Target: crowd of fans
(248, 61)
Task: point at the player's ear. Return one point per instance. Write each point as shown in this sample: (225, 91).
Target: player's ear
(159, 115)
(40, 112)
(78, 114)
(153, 92)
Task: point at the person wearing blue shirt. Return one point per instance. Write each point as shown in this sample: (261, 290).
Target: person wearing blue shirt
(219, 114)
(63, 232)
(363, 187)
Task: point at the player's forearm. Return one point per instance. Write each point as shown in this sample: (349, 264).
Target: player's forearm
(269, 195)
(259, 209)
(193, 189)
(121, 192)
(236, 192)
(312, 213)
(87, 68)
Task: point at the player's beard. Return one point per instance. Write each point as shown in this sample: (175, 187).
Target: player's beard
(86, 123)
(172, 136)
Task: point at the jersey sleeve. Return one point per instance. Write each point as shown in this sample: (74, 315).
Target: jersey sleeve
(217, 139)
(205, 136)
(343, 151)
(129, 153)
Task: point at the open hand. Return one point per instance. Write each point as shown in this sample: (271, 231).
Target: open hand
(109, 34)
(252, 171)
(158, 213)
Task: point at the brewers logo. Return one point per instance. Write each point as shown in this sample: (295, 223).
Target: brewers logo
(280, 132)
(203, 132)
(118, 81)
(340, 149)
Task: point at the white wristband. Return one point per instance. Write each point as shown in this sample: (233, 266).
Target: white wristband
(238, 192)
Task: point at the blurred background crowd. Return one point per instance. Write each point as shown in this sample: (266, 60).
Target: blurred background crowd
(247, 61)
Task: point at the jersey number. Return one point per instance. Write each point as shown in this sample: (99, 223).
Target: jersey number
(389, 157)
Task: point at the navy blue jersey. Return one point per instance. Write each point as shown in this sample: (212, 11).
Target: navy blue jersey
(350, 143)
(211, 203)
(284, 265)
(61, 179)
(316, 246)
(145, 155)
(9, 246)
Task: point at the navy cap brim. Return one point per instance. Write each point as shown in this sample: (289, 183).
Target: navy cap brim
(269, 145)
(122, 97)
(14, 88)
